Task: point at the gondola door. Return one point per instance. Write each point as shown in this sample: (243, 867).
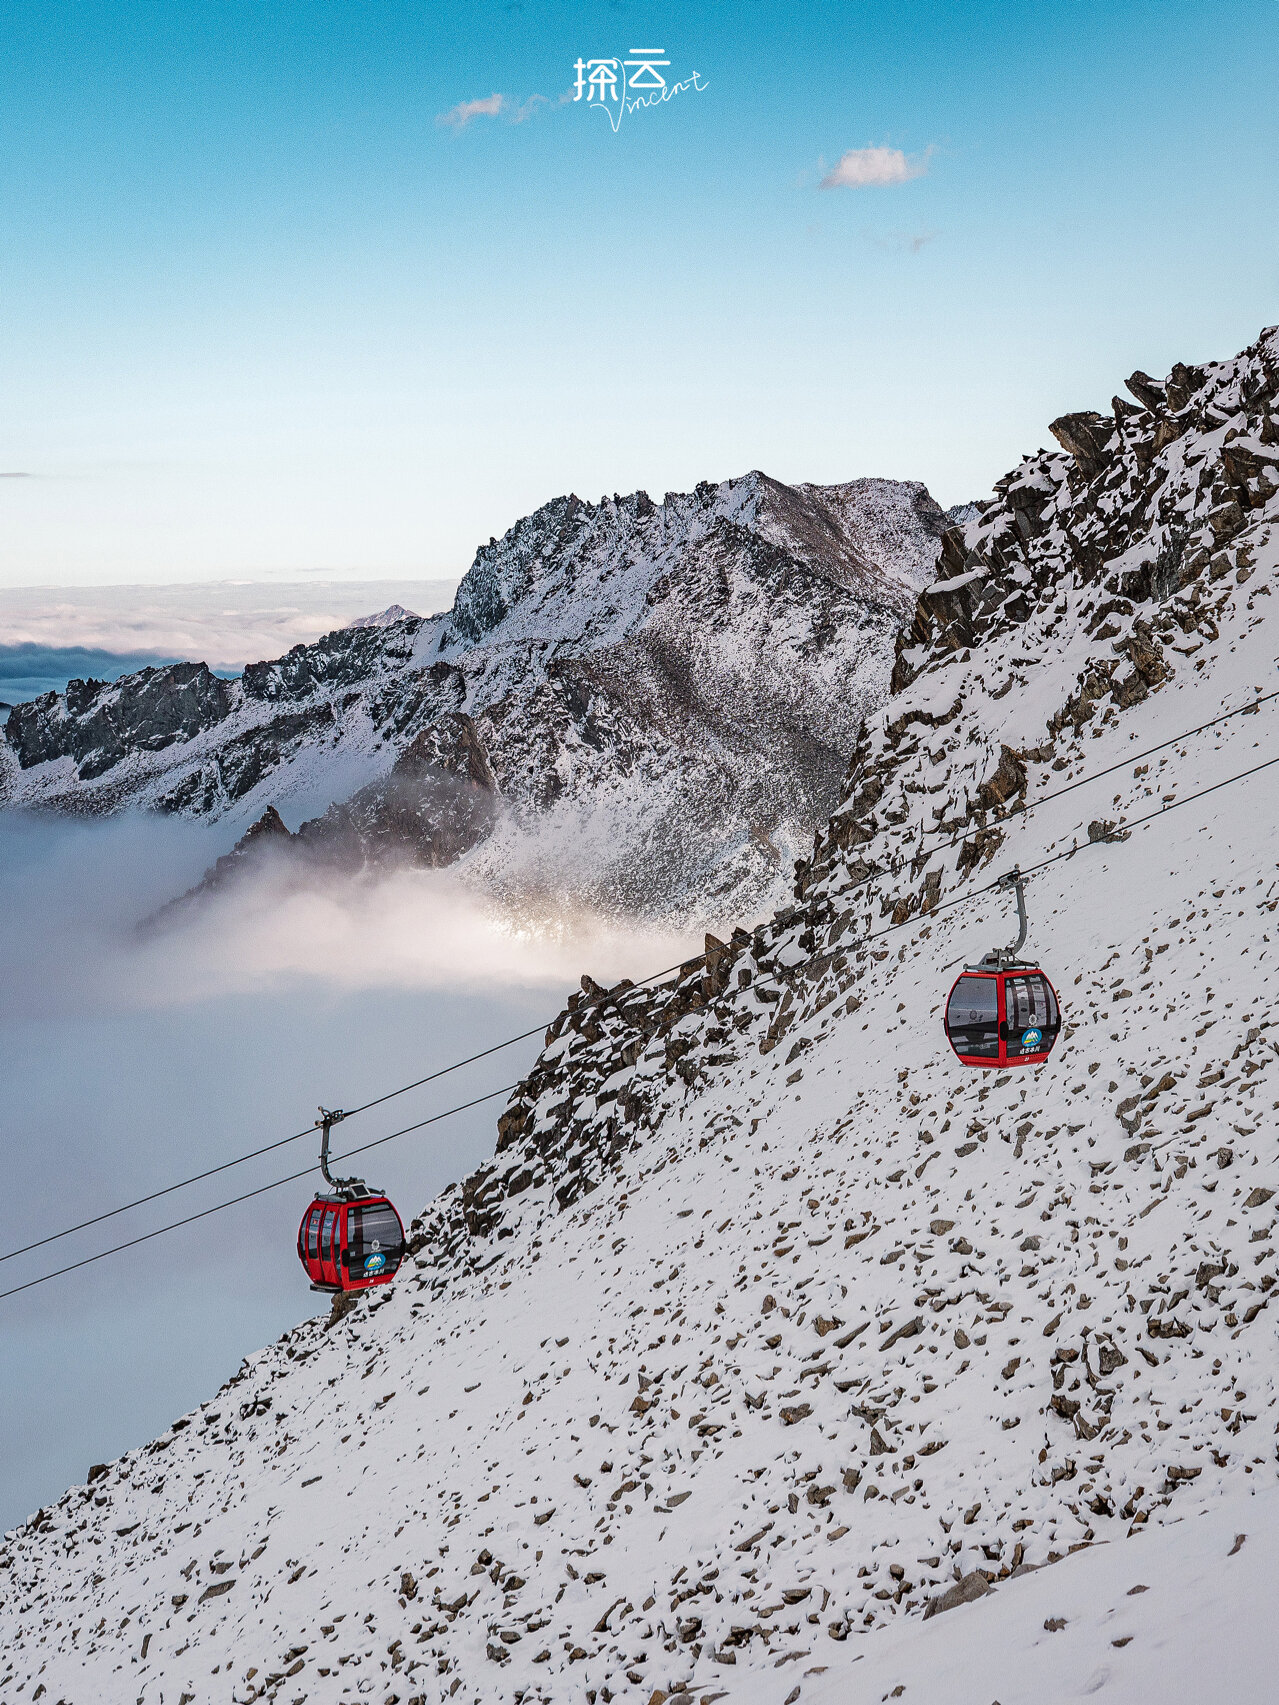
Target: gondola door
(330, 1228)
(1029, 1015)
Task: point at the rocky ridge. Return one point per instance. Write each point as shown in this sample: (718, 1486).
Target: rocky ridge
(1094, 572)
(823, 1328)
(663, 697)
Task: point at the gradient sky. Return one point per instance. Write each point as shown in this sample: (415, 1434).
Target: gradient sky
(261, 313)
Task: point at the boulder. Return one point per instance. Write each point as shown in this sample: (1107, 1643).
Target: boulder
(964, 1591)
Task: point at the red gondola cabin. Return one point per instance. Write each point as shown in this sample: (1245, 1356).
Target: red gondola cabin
(350, 1244)
(1002, 1017)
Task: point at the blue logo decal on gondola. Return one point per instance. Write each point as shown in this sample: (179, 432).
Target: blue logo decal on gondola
(1031, 1038)
(375, 1263)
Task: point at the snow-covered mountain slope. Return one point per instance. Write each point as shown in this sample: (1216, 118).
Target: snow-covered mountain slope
(1184, 1616)
(769, 1323)
(665, 696)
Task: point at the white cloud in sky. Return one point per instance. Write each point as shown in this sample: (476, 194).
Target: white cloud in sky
(458, 117)
(526, 109)
(873, 168)
(224, 623)
(495, 106)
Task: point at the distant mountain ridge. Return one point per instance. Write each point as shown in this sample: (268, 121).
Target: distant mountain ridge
(384, 618)
(661, 697)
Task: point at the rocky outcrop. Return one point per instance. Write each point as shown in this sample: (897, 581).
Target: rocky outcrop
(1145, 502)
(967, 709)
(269, 834)
(97, 724)
(439, 800)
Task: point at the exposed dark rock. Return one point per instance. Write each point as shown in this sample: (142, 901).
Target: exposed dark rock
(1085, 437)
(1148, 392)
(965, 1591)
(1007, 782)
(437, 802)
(98, 723)
(268, 834)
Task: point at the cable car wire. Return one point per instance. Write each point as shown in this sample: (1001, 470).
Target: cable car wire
(1136, 757)
(525, 1035)
(1024, 809)
(956, 899)
(248, 1195)
(1070, 852)
(267, 1148)
(282, 1142)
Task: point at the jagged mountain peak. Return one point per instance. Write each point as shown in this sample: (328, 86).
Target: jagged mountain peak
(597, 562)
(546, 552)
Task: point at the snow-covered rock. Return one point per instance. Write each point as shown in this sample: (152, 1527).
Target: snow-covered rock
(769, 1323)
(384, 618)
(665, 694)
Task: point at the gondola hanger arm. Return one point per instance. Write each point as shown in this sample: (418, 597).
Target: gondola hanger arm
(324, 1124)
(1002, 956)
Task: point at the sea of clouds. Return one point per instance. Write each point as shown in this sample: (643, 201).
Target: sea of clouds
(224, 623)
(132, 1055)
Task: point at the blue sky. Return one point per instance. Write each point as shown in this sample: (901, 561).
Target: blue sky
(261, 313)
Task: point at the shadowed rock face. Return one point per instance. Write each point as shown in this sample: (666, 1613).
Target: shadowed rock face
(439, 799)
(98, 723)
(664, 696)
(269, 834)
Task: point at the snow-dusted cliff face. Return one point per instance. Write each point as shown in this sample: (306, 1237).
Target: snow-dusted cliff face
(663, 698)
(769, 1323)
